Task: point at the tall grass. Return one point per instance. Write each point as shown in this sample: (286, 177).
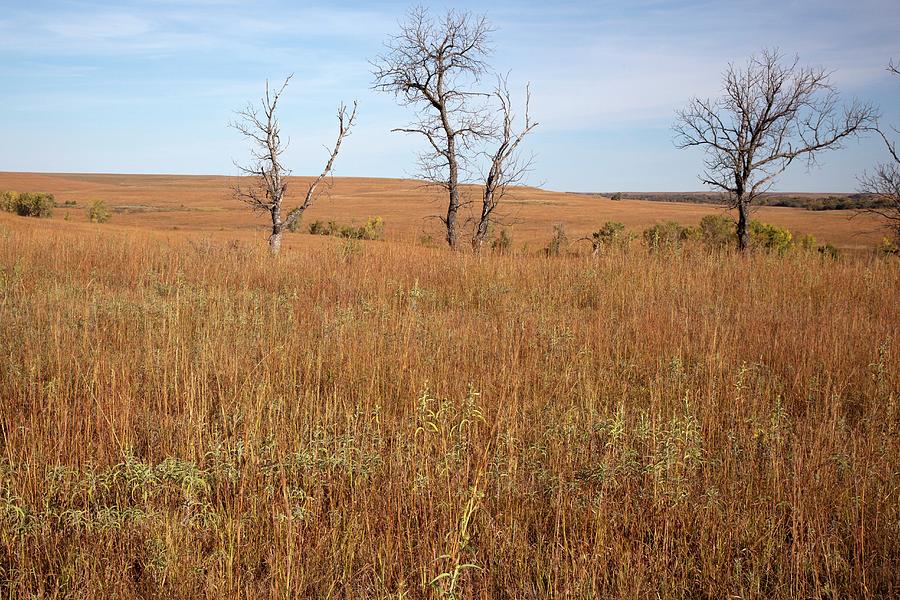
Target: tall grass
(183, 419)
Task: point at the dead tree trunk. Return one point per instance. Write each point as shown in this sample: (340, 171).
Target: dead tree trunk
(743, 233)
(483, 226)
(453, 188)
(507, 168)
(266, 184)
(431, 65)
(277, 228)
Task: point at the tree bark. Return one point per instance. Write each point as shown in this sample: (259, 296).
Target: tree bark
(453, 188)
(481, 229)
(743, 234)
(480, 236)
(275, 238)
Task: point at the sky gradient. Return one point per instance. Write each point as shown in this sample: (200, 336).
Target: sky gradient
(149, 86)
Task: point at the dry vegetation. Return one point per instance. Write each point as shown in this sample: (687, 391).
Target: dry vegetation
(383, 420)
(203, 205)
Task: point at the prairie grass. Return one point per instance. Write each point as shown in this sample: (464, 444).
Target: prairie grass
(187, 418)
(203, 206)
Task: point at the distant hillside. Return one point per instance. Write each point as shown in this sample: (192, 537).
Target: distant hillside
(808, 201)
(203, 206)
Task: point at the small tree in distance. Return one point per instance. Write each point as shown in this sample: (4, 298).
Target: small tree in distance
(770, 114)
(267, 187)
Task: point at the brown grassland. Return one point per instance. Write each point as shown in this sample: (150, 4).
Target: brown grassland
(184, 416)
(203, 203)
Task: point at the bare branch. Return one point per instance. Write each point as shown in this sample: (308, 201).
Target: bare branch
(267, 176)
(264, 183)
(507, 167)
(771, 113)
(883, 184)
(345, 124)
(432, 65)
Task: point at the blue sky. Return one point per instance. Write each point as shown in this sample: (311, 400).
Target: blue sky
(149, 86)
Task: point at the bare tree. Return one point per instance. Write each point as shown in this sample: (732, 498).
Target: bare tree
(507, 167)
(771, 113)
(884, 183)
(432, 65)
(268, 185)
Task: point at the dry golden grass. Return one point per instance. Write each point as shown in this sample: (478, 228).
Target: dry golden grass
(204, 203)
(182, 416)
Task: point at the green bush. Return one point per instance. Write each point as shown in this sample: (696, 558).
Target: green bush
(829, 251)
(888, 247)
(8, 201)
(770, 237)
(502, 243)
(98, 213)
(559, 242)
(611, 234)
(717, 232)
(372, 229)
(807, 242)
(667, 235)
(617, 196)
(322, 227)
(28, 204)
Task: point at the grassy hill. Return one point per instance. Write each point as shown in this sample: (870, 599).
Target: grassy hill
(204, 203)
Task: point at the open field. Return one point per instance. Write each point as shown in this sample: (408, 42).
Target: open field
(204, 203)
(184, 416)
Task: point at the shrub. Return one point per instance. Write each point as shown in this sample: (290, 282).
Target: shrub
(667, 236)
(559, 242)
(28, 204)
(8, 201)
(502, 243)
(807, 242)
(372, 229)
(617, 196)
(717, 231)
(611, 234)
(770, 237)
(322, 228)
(888, 247)
(35, 204)
(98, 212)
(829, 251)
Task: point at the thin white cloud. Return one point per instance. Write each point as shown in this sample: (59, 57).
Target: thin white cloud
(108, 26)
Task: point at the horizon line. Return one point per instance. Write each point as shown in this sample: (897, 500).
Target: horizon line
(413, 179)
